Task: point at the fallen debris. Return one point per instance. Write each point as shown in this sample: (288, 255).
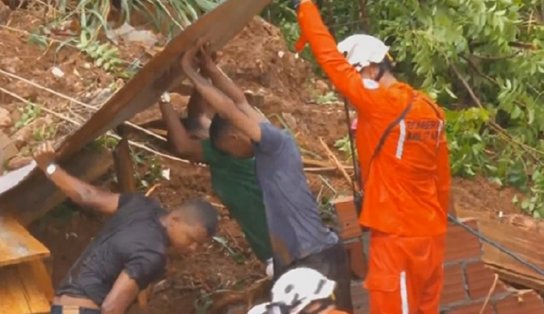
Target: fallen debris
(524, 237)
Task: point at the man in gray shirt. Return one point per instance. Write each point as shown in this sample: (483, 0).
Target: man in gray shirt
(297, 233)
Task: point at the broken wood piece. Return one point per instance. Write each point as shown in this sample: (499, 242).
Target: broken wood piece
(163, 72)
(22, 290)
(152, 189)
(523, 242)
(17, 245)
(335, 160)
(123, 163)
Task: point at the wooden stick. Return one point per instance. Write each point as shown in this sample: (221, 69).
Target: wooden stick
(217, 205)
(67, 119)
(152, 189)
(71, 99)
(335, 160)
(491, 291)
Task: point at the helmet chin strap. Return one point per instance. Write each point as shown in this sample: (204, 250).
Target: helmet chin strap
(282, 308)
(381, 71)
(325, 303)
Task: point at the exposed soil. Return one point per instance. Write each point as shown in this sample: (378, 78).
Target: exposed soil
(257, 60)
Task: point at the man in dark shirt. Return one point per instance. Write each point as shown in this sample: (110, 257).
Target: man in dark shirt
(297, 233)
(130, 250)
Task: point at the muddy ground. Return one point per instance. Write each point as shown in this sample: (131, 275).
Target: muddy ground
(258, 60)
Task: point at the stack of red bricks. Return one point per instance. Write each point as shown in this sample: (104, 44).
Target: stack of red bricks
(468, 284)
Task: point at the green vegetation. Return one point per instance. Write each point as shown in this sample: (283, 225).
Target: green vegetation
(94, 17)
(483, 60)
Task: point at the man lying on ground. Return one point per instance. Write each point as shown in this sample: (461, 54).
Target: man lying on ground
(233, 179)
(300, 291)
(297, 233)
(130, 251)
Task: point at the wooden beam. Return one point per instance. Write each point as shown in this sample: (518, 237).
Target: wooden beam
(163, 72)
(17, 245)
(21, 292)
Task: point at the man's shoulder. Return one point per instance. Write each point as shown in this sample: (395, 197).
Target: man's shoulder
(136, 200)
(270, 131)
(218, 159)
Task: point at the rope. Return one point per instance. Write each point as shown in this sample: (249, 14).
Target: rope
(497, 245)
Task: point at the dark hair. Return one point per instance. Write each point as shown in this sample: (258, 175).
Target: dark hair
(385, 66)
(218, 128)
(190, 124)
(201, 212)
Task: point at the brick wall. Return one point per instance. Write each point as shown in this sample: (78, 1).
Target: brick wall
(468, 282)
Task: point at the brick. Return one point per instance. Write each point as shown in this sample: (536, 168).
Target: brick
(359, 298)
(480, 280)
(528, 303)
(347, 218)
(460, 244)
(473, 308)
(454, 285)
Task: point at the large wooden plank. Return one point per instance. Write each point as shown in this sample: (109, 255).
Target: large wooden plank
(20, 293)
(37, 286)
(17, 244)
(521, 237)
(12, 291)
(163, 72)
(41, 276)
(36, 195)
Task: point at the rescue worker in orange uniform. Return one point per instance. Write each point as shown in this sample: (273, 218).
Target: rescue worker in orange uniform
(403, 155)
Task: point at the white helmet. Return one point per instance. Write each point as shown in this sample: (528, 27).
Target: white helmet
(362, 50)
(295, 290)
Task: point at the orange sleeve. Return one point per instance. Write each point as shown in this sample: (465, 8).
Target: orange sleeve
(342, 75)
(444, 173)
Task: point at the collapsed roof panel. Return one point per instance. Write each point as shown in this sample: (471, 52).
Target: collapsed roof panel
(160, 74)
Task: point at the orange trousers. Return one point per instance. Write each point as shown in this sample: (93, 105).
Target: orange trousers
(405, 274)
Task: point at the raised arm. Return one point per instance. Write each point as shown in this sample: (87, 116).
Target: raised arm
(343, 75)
(227, 86)
(80, 192)
(178, 138)
(199, 114)
(222, 104)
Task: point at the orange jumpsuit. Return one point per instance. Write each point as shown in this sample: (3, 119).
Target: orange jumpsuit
(406, 185)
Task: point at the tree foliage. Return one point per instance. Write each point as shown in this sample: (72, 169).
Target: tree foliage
(483, 61)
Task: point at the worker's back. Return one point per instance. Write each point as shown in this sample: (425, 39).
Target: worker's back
(401, 176)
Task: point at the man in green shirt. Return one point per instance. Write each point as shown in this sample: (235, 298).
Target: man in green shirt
(233, 179)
